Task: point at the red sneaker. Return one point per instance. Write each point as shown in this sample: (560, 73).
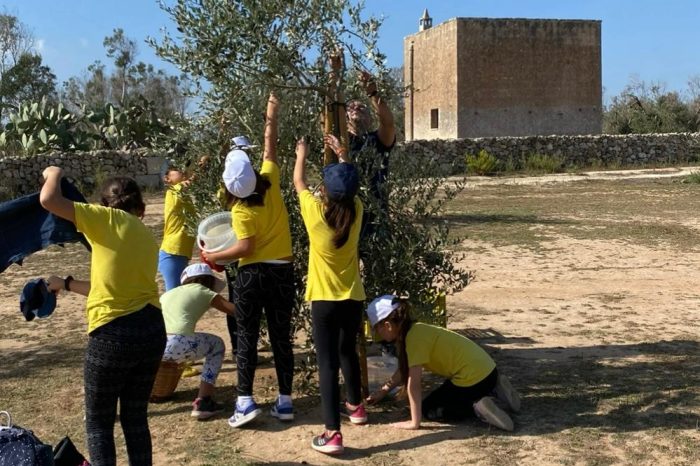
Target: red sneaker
(357, 416)
(329, 444)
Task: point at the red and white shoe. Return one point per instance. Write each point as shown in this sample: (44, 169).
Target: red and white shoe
(329, 444)
(357, 415)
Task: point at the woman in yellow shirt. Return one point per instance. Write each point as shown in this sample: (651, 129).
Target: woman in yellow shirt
(265, 276)
(334, 287)
(125, 324)
(472, 377)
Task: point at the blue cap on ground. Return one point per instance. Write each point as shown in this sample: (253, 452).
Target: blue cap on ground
(341, 180)
(36, 300)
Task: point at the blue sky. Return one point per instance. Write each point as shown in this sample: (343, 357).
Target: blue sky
(652, 40)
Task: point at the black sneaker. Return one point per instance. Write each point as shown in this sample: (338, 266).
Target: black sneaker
(204, 408)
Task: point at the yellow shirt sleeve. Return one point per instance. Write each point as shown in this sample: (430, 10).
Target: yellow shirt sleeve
(272, 170)
(243, 221)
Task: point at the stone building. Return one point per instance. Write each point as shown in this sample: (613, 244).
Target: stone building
(482, 77)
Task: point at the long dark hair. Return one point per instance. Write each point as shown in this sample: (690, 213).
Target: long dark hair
(401, 317)
(340, 215)
(257, 198)
(123, 193)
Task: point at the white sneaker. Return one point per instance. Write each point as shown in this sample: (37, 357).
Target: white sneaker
(487, 410)
(243, 417)
(507, 394)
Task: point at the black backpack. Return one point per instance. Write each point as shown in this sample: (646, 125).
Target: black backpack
(20, 447)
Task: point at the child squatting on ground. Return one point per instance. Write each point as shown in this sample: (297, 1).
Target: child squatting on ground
(334, 287)
(125, 324)
(183, 306)
(473, 384)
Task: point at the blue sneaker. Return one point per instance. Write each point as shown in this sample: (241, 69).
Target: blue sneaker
(283, 412)
(245, 416)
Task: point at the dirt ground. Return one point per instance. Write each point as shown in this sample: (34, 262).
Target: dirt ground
(586, 296)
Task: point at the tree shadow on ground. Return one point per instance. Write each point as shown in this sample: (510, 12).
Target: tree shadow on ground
(614, 388)
(463, 219)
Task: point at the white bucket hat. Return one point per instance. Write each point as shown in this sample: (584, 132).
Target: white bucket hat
(239, 176)
(380, 308)
(199, 269)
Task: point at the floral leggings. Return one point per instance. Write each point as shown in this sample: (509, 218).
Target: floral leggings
(193, 347)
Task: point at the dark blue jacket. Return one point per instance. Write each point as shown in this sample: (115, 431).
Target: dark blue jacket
(26, 227)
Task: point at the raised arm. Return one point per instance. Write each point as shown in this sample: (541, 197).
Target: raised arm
(51, 197)
(302, 152)
(271, 116)
(334, 144)
(387, 129)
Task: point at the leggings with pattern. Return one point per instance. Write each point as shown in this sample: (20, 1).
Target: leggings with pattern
(121, 362)
(270, 288)
(194, 347)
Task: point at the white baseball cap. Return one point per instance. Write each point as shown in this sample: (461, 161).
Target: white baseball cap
(380, 308)
(199, 269)
(239, 176)
(241, 142)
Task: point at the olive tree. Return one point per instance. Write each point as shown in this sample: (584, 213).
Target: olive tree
(237, 51)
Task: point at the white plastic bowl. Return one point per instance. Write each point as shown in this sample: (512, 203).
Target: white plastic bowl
(215, 234)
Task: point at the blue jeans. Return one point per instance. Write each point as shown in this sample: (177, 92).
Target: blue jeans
(170, 267)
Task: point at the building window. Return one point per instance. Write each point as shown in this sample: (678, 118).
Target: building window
(434, 118)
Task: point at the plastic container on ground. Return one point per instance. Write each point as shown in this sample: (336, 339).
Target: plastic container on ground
(379, 370)
(215, 234)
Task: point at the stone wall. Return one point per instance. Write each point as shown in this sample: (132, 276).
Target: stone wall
(21, 175)
(575, 151)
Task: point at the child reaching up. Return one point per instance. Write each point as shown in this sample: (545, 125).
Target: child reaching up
(472, 377)
(182, 308)
(176, 248)
(334, 287)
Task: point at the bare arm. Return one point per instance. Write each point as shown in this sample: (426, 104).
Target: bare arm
(51, 197)
(223, 305)
(270, 152)
(76, 286)
(340, 151)
(243, 248)
(302, 152)
(415, 401)
(387, 129)
(385, 389)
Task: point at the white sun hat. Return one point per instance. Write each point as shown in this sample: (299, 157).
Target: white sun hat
(239, 176)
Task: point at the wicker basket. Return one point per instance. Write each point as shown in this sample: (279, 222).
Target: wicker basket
(167, 378)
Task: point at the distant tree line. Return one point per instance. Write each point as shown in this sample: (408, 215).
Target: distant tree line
(651, 108)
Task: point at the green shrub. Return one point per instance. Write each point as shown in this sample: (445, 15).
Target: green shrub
(482, 164)
(693, 178)
(542, 163)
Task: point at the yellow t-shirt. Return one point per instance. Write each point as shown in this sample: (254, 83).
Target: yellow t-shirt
(449, 354)
(268, 223)
(176, 240)
(334, 274)
(123, 265)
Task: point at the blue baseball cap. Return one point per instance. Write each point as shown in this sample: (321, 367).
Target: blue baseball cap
(341, 180)
(36, 300)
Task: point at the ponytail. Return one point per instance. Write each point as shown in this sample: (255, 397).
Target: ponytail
(340, 215)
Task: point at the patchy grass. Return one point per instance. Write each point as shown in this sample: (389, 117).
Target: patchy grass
(642, 212)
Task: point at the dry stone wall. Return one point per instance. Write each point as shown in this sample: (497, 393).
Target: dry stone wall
(575, 151)
(21, 175)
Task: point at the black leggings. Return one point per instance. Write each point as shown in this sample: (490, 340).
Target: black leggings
(231, 324)
(121, 362)
(268, 287)
(449, 402)
(336, 325)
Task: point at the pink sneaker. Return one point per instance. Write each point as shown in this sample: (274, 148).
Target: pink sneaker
(331, 445)
(357, 416)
